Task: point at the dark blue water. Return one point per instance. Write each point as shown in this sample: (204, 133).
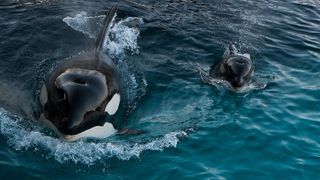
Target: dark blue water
(193, 130)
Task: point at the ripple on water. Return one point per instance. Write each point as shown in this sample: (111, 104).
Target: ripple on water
(22, 135)
(271, 132)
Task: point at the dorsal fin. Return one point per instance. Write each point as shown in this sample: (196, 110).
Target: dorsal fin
(106, 25)
(232, 49)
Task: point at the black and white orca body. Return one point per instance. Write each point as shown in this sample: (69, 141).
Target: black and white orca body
(81, 93)
(236, 69)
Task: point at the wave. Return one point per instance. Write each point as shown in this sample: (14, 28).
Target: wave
(22, 135)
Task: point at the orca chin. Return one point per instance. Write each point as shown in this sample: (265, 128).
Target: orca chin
(99, 132)
(96, 132)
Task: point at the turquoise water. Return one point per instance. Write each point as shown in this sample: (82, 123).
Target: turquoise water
(193, 130)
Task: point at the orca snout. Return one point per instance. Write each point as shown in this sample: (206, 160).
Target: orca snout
(85, 91)
(238, 70)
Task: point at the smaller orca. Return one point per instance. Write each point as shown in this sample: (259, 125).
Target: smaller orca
(236, 69)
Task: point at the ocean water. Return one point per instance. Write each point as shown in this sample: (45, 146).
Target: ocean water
(271, 130)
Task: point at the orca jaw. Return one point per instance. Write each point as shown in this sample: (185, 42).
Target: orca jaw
(95, 132)
(100, 130)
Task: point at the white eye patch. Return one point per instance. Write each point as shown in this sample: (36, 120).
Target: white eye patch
(113, 105)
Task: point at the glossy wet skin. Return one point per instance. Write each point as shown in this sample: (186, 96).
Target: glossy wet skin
(235, 69)
(78, 104)
(84, 91)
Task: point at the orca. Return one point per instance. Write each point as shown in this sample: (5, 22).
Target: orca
(236, 69)
(83, 93)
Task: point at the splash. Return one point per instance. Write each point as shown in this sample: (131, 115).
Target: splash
(122, 38)
(83, 23)
(23, 136)
(34, 2)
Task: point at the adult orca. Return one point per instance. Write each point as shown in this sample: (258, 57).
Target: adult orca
(236, 69)
(83, 93)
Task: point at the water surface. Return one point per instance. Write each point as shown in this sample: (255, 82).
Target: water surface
(193, 130)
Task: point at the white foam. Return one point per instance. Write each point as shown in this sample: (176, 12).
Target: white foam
(23, 136)
(247, 55)
(123, 35)
(83, 23)
(35, 2)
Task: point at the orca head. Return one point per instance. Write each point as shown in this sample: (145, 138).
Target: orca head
(237, 70)
(78, 103)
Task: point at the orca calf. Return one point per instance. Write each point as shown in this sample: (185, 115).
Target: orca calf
(81, 93)
(236, 69)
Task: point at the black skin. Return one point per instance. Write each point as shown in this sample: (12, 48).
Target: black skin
(76, 100)
(236, 69)
(85, 89)
(65, 102)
